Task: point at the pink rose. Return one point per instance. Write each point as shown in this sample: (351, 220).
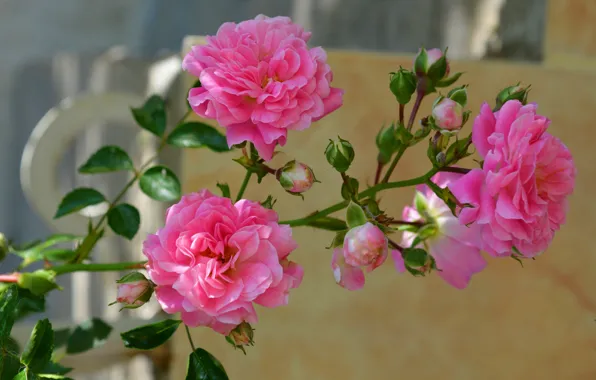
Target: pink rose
(520, 194)
(259, 79)
(214, 259)
(364, 246)
(454, 247)
(448, 114)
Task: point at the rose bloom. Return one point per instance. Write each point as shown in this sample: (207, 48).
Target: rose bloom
(259, 79)
(454, 247)
(519, 197)
(365, 247)
(214, 259)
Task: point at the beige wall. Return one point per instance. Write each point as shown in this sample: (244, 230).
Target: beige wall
(536, 322)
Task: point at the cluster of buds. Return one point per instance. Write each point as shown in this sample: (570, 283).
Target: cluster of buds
(134, 290)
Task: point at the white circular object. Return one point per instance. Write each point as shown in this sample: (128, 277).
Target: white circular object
(52, 137)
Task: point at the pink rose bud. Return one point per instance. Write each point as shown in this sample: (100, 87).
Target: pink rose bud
(134, 290)
(296, 177)
(433, 56)
(241, 336)
(365, 245)
(432, 64)
(448, 114)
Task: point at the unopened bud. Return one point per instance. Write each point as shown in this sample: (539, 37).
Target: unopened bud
(403, 85)
(134, 290)
(241, 336)
(365, 245)
(340, 154)
(388, 143)
(296, 177)
(448, 114)
(432, 64)
(512, 93)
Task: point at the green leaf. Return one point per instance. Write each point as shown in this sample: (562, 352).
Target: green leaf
(124, 219)
(448, 81)
(89, 242)
(152, 115)
(39, 282)
(12, 346)
(77, 200)
(29, 303)
(61, 337)
(329, 223)
(107, 159)
(38, 350)
(8, 304)
(150, 336)
(198, 135)
(25, 375)
(338, 239)
(39, 251)
(160, 183)
(90, 334)
(415, 257)
(9, 359)
(355, 215)
(204, 366)
(225, 190)
(349, 189)
(53, 368)
(269, 202)
(59, 254)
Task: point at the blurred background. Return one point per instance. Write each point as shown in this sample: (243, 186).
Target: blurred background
(58, 49)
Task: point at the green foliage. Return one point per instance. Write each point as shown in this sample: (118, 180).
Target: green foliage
(151, 116)
(124, 219)
(225, 190)
(88, 335)
(38, 351)
(204, 366)
(198, 135)
(349, 189)
(39, 282)
(107, 159)
(160, 183)
(338, 239)
(150, 336)
(355, 215)
(9, 359)
(77, 200)
(328, 223)
(42, 250)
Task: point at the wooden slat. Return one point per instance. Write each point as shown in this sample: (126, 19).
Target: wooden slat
(512, 323)
(570, 39)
